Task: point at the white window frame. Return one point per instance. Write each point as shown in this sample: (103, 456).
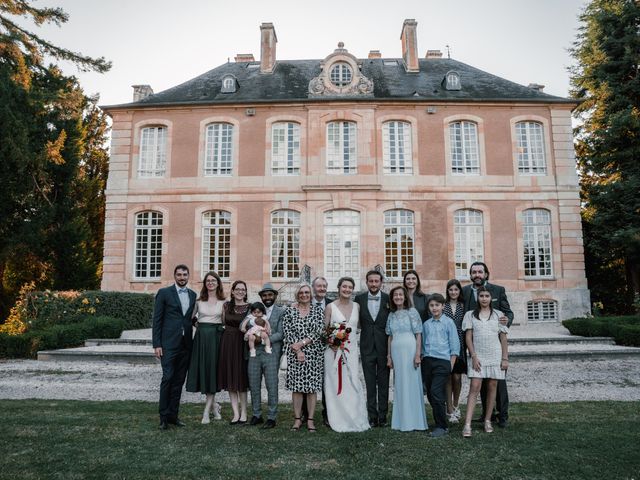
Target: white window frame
(152, 161)
(285, 148)
(284, 263)
(537, 243)
(147, 247)
(464, 147)
(216, 242)
(218, 158)
(397, 147)
(530, 144)
(399, 242)
(342, 244)
(342, 151)
(468, 239)
(542, 311)
(341, 74)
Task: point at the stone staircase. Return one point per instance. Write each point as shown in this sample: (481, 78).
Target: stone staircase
(529, 343)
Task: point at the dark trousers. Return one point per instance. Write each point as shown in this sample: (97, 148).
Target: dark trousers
(175, 363)
(502, 400)
(435, 375)
(376, 379)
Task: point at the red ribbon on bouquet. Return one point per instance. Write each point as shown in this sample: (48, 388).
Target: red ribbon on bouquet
(340, 362)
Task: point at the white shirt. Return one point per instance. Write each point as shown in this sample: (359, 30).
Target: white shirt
(183, 295)
(374, 305)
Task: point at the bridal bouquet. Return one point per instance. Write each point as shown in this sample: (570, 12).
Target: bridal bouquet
(337, 335)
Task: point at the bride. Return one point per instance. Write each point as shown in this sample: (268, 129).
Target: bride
(346, 405)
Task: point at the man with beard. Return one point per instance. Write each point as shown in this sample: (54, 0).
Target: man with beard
(172, 342)
(479, 276)
(267, 364)
(374, 310)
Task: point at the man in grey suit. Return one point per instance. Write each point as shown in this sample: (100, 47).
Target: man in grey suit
(479, 275)
(374, 310)
(172, 342)
(267, 364)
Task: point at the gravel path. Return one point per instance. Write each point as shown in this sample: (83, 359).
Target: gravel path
(541, 381)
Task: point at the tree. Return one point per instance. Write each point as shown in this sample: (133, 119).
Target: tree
(607, 81)
(52, 162)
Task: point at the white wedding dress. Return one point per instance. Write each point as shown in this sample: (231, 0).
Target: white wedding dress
(346, 410)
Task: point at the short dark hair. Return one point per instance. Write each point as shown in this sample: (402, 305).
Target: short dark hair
(436, 297)
(182, 266)
(392, 306)
(373, 272)
(258, 306)
(483, 265)
(451, 283)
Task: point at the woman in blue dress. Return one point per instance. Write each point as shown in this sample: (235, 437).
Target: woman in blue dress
(404, 328)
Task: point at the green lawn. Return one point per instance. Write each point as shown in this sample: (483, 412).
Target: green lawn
(118, 440)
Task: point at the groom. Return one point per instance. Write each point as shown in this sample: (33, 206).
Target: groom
(374, 310)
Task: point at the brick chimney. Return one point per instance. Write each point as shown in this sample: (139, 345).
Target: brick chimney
(244, 58)
(268, 42)
(141, 91)
(433, 54)
(410, 46)
(375, 54)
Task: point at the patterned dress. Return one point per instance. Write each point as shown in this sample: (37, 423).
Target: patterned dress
(486, 344)
(461, 362)
(305, 377)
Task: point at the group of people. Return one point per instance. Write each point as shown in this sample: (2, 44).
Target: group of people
(423, 338)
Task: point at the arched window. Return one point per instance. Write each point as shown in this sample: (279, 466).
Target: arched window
(216, 242)
(285, 148)
(341, 74)
(148, 245)
(542, 311)
(537, 243)
(218, 149)
(341, 147)
(396, 147)
(531, 150)
(399, 241)
(285, 244)
(463, 137)
(468, 237)
(153, 152)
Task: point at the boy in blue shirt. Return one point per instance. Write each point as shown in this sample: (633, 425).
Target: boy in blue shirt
(440, 348)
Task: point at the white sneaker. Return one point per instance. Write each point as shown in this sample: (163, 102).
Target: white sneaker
(216, 411)
(456, 412)
(205, 418)
(268, 350)
(453, 418)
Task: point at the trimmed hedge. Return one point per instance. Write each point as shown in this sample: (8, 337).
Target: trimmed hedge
(625, 330)
(67, 335)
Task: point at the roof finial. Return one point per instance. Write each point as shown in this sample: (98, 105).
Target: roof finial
(448, 51)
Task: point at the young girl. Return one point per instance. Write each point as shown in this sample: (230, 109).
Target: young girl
(454, 309)
(486, 340)
(259, 328)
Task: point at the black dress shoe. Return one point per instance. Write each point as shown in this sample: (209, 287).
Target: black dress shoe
(179, 423)
(255, 421)
(269, 424)
(164, 425)
(382, 422)
(373, 422)
(502, 423)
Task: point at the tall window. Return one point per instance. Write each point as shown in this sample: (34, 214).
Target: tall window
(396, 144)
(218, 158)
(468, 237)
(398, 242)
(285, 148)
(216, 242)
(537, 243)
(148, 249)
(341, 147)
(464, 148)
(153, 152)
(285, 244)
(542, 311)
(531, 156)
(341, 245)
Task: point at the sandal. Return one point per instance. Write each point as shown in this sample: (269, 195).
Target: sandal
(466, 431)
(311, 429)
(487, 426)
(294, 428)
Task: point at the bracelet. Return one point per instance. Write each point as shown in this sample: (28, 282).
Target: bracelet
(505, 359)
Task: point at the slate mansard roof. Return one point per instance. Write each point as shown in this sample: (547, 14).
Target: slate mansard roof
(289, 82)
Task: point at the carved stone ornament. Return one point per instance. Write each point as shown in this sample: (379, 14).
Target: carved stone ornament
(359, 85)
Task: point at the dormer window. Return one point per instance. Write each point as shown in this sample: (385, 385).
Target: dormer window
(229, 84)
(341, 74)
(452, 81)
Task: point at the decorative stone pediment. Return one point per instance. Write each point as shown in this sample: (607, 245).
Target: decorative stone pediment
(340, 75)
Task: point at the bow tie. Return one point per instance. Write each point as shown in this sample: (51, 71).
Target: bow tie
(374, 299)
(182, 290)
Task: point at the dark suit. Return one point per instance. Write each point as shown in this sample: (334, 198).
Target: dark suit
(498, 302)
(267, 364)
(172, 332)
(373, 352)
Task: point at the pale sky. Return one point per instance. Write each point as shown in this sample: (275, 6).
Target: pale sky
(164, 42)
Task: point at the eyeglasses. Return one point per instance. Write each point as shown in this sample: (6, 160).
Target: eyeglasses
(239, 290)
